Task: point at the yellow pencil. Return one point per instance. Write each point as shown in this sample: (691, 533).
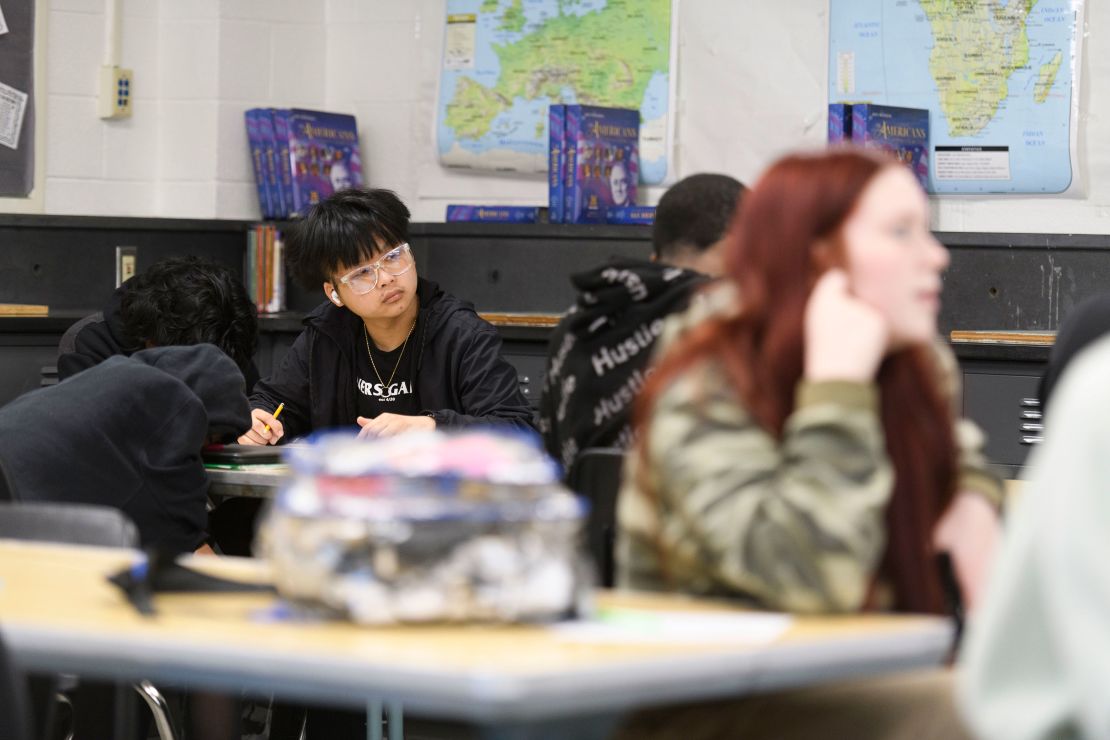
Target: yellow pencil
(277, 412)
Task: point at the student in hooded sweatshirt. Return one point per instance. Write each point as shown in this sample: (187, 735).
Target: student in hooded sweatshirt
(128, 433)
(599, 352)
(388, 351)
(176, 301)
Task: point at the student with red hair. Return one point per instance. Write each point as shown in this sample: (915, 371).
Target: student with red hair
(798, 445)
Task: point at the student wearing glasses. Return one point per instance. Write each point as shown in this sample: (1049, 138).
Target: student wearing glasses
(388, 350)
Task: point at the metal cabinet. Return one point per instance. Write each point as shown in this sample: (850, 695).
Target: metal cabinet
(1002, 398)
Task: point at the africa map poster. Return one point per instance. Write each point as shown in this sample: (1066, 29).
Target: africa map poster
(999, 77)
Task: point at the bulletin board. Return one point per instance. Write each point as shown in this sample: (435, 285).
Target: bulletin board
(17, 98)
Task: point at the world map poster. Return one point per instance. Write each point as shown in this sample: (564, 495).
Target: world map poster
(1000, 79)
(505, 61)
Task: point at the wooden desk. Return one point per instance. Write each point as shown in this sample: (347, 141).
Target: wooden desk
(58, 614)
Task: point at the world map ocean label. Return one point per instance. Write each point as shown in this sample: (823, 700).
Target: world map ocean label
(506, 61)
(999, 78)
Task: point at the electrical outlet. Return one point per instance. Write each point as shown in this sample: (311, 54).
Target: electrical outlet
(125, 263)
(115, 92)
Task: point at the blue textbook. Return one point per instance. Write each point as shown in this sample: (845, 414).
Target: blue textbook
(270, 160)
(503, 214)
(556, 161)
(903, 132)
(840, 123)
(631, 215)
(603, 161)
(258, 162)
(323, 156)
(280, 118)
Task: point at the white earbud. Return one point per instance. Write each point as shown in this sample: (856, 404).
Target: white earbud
(335, 298)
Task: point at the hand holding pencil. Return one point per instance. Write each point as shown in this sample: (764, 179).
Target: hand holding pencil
(265, 427)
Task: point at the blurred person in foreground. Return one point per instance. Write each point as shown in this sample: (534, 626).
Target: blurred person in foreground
(799, 448)
(1036, 662)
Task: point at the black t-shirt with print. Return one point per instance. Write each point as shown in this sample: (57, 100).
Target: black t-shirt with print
(392, 392)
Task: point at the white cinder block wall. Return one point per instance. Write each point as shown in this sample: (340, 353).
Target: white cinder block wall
(198, 65)
(751, 85)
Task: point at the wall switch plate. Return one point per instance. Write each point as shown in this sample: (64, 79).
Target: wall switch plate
(126, 258)
(115, 92)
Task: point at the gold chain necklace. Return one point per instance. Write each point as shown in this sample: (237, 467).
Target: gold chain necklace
(366, 336)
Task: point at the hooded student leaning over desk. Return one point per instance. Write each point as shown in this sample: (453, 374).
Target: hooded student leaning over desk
(128, 433)
(799, 450)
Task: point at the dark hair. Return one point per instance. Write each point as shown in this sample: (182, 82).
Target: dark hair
(800, 201)
(694, 214)
(189, 300)
(344, 230)
(1084, 324)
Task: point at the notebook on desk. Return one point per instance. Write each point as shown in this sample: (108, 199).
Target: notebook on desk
(235, 454)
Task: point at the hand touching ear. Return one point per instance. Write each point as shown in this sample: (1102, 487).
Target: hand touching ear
(845, 339)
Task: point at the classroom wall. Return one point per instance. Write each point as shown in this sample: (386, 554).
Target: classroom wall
(751, 85)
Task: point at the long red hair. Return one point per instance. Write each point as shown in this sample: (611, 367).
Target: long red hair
(800, 202)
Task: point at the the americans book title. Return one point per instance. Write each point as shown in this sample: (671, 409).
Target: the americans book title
(903, 132)
(305, 156)
(602, 161)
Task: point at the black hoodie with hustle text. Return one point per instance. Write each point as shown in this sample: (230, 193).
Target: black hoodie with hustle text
(598, 355)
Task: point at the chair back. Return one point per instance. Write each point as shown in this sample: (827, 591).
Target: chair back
(596, 474)
(74, 524)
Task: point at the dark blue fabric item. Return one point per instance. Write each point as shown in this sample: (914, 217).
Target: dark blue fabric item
(128, 433)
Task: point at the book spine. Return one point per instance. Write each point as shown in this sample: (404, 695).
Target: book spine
(503, 214)
(254, 142)
(267, 267)
(248, 267)
(557, 162)
(285, 166)
(859, 134)
(259, 267)
(269, 158)
(840, 123)
(278, 302)
(571, 133)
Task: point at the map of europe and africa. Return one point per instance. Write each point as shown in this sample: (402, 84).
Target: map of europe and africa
(998, 77)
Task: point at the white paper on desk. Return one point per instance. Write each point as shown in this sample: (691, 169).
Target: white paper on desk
(632, 626)
(12, 105)
(3, 23)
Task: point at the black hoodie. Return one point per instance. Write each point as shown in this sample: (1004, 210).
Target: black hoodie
(598, 354)
(95, 338)
(461, 377)
(101, 335)
(128, 433)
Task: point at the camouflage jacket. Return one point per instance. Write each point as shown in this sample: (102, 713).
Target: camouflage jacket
(794, 525)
